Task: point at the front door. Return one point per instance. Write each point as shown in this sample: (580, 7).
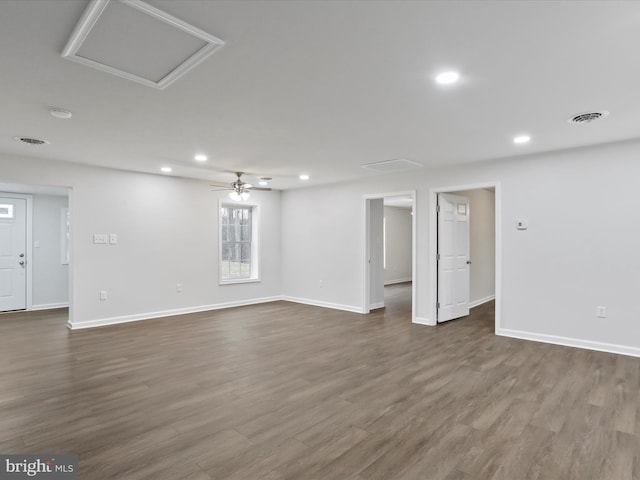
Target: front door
(453, 257)
(13, 251)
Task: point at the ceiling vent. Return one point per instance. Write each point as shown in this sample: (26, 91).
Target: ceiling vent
(31, 141)
(134, 40)
(396, 165)
(587, 117)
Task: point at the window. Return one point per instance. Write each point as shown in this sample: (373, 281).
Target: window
(238, 244)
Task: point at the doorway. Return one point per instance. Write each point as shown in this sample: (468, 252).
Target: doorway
(389, 249)
(463, 277)
(13, 252)
(34, 247)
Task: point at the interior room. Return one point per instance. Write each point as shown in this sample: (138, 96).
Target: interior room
(287, 240)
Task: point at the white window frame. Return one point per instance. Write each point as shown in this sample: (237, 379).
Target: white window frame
(255, 244)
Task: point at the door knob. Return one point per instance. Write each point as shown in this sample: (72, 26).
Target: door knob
(468, 262)
(21, 262)
(21, 255)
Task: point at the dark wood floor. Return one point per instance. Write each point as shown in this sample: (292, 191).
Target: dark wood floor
(285, 391)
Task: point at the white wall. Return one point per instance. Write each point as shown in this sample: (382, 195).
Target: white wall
(482, 236)
(50, 282)
(580, 250)
(398, 244)
(167, 231)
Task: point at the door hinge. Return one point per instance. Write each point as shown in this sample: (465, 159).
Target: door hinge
(437, 305)
(438, 208)
(437, 257)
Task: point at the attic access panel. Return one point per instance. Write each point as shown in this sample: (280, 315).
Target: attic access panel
(396, 165)
(136, 41)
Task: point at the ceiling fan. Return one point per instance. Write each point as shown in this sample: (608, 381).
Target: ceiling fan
(239, 189)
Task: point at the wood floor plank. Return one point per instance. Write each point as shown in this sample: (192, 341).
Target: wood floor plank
(282, 391)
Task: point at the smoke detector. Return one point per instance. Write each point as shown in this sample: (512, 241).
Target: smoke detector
(32, 141)
(587, 117)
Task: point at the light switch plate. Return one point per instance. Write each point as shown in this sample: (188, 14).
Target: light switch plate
(99, 238)
(522, 224)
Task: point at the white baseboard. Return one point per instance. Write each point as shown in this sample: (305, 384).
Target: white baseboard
(317, 303)
(398, 280)
(476, 303)
(424, 321)
(49, 306)
(570, 342)
(375, 306)
(166, 313)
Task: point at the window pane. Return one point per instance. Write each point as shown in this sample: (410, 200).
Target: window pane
(235, 242)
(246, 252)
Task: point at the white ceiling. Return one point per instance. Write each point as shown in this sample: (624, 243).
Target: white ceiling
(322, 87)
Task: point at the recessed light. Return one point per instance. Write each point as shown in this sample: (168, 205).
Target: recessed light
(521, 139)
(447, 78)
(304, 177)
(263, 183)
(200, 158)
(166, 169)
(60, 113)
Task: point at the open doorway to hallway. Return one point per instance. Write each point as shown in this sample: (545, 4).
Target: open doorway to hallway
(34, 248)
(466, 283)
(390, 252)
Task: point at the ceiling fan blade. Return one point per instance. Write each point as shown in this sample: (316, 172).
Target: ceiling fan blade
(264, 189)
(221, 185)
(220, 189)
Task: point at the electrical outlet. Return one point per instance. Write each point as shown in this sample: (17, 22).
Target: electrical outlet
(179, 287)
(103, 294)
(113, 239)
(601, 312)
(321, 284)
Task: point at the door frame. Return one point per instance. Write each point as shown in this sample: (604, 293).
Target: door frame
(29, 243)
(367, 241)
(433, 244)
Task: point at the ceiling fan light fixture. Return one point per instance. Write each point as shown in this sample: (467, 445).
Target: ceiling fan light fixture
(238, 196)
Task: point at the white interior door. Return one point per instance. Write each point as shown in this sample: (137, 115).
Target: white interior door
(453, 257)
(13, 250)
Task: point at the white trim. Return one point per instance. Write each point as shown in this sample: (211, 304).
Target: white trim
(570, 342)
(424, 321)
(49, 306)
(97, 7)
(72, 265)
(481, 301)
(318, 303)
(433, 240)
(239, 280)
(365, 248)
(398, 280)
(376, 306)
(29, 251)
(167, 313)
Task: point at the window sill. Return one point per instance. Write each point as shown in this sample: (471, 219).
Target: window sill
(239, 280)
